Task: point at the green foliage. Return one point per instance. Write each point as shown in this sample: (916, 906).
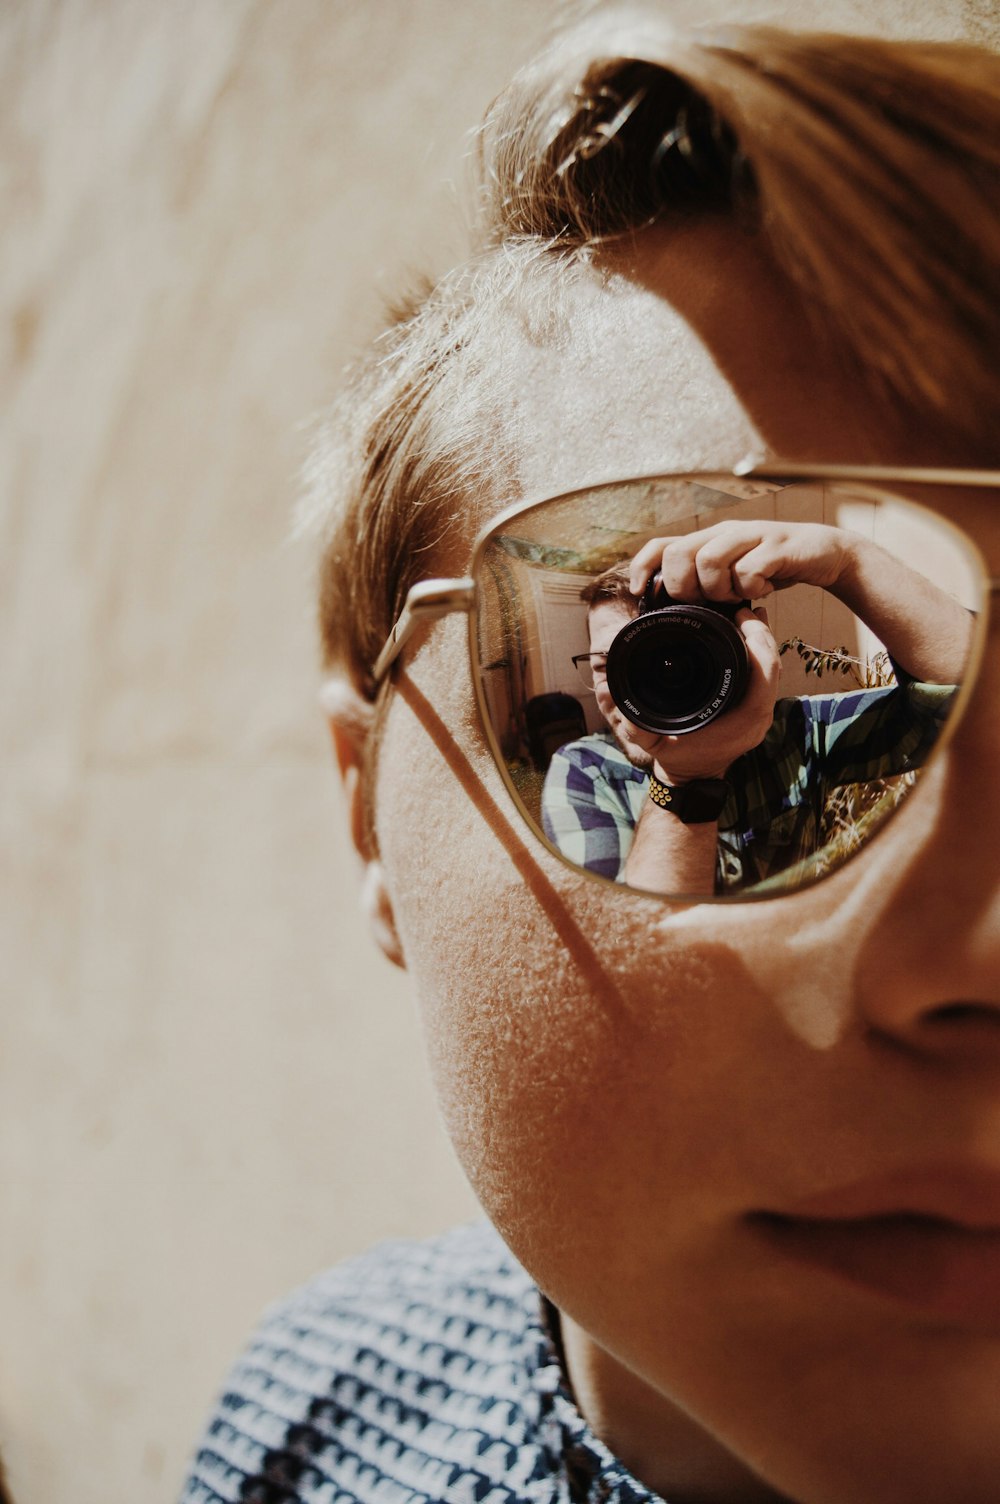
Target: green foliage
(867, 673)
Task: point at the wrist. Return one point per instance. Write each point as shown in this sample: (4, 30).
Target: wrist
(849, 566)
(680, 780)
(699, 801)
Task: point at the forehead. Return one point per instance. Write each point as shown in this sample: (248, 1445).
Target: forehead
(684, 349)
(604, 622)
(616, 382)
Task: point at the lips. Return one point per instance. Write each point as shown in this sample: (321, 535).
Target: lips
(924, 1239)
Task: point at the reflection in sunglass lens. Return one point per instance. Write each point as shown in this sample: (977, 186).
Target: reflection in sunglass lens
(797, 735)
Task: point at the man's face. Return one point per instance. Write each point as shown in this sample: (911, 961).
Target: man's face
(604, 622)
(634, 1088)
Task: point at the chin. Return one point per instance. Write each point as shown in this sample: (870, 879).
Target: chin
(637, 756)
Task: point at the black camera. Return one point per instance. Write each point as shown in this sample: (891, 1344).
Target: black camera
(675, 667)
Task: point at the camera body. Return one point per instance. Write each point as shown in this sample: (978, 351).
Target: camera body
(674, 668)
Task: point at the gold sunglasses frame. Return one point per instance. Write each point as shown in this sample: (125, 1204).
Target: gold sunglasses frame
(430, 600)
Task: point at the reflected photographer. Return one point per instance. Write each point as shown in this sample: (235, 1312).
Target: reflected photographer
(704, 779)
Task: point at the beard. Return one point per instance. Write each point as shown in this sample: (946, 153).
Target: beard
(641, 760)
(635, 754)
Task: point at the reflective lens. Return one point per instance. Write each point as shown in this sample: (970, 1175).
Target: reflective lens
(820, 719)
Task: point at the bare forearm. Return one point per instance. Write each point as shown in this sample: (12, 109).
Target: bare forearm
(670, 857)
(926, 631)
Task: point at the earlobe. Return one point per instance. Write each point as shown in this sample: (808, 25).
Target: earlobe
(377, 905)
(349, 717)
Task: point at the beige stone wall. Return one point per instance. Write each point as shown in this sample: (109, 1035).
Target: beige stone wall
(210, 1084)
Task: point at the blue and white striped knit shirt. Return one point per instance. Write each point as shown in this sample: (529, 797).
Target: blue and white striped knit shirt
(418, 1374)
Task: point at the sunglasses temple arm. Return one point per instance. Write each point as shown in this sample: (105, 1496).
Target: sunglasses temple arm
(425, 602)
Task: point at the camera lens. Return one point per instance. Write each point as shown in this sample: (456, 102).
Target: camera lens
(676, 669)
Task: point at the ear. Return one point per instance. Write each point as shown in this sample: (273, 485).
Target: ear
(349, 716)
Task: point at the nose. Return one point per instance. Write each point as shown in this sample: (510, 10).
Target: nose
(928, 974)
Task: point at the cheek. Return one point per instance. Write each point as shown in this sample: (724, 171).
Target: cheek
(602, 695)
(514, 1031)
(584, 1059)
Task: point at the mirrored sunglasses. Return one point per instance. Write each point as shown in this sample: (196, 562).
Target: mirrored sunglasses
(655, 729)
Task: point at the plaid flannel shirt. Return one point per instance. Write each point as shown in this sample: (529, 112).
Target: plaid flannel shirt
(593, 796)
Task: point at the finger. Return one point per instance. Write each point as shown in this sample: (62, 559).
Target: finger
(696, 566)
(674, 558)
(645, 563)
(754, 625)
(760, 643)
(679, 572)
(753, 573)
(717, 562)
(743, 562)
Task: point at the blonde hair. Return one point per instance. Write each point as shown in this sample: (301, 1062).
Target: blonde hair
(870, 168)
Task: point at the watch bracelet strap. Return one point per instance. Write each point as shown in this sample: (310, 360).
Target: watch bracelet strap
(694, 803)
